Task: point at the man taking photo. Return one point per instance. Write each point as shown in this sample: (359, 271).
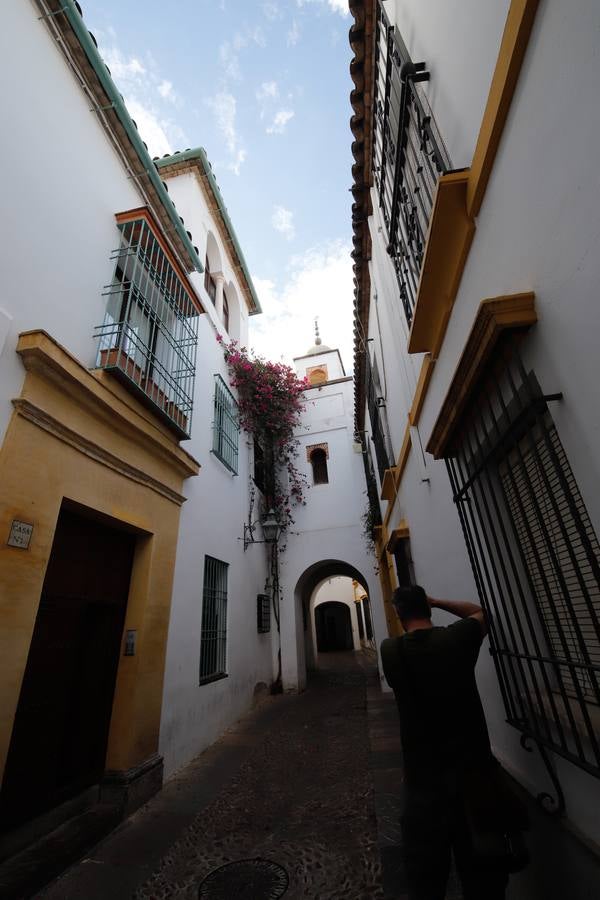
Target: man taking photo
(455, 798)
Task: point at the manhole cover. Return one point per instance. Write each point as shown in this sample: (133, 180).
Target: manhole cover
(246, 879)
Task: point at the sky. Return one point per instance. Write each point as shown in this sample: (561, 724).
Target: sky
(263, 86)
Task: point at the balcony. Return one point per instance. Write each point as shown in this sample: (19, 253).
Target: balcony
(408, 158)
(150, 331)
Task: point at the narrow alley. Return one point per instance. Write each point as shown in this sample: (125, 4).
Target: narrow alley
(298, 370)
(291, 786)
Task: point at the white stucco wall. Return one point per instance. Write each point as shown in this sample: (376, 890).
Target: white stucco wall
(211, 524)
(187, 195)
(537, 230)
(64, 182)
(459, 42)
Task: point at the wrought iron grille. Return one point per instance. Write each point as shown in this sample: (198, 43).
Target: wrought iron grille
(150, 331)
(226, 429)
(535, 558)
(213, 639)
(372, 496)
(378, 425)
(408, 156)
(263, 613)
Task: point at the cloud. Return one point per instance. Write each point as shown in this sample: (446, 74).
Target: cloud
(165, 89)
(319, 283)
(270, 10)
(122, 69)
(150, 127)
(224, 107)
(339, 6)
(282, 220)
(229, 50)
(282, 117)
(146, 95)
(267, 90)
(293, 35)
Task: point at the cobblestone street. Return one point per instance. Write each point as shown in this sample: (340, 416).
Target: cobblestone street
(292, 784)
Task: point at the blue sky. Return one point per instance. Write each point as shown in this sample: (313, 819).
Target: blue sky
(263, 85)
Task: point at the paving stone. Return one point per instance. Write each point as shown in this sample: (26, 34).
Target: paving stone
(291, 785)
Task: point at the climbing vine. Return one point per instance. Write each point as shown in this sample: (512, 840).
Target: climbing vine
(270, 406)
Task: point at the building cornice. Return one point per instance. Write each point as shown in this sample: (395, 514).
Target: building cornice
(361, 37)
(515, 312)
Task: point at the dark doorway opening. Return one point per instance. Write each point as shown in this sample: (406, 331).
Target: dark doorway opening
(60, 732)
(334, 627)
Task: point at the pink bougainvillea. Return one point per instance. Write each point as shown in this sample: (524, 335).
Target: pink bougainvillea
(271, 403)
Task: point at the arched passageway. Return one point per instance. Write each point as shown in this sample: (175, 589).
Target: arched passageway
(333, 626)
(329, 619)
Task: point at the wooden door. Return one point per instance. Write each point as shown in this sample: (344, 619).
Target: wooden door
(60, 733)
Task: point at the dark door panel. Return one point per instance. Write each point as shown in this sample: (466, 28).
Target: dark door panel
(59, 738)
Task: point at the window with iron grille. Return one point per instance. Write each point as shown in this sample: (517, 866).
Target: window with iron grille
(213, 638)
(374, 509)
(226, 429)
(150, 331)
(263, 613)
(535, 557)
(379, 432)
(408, 156)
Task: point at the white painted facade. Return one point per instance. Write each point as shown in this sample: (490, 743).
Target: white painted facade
(64, 183)
(327, 538)
(537, 231)
(212, 523)
(63, 187)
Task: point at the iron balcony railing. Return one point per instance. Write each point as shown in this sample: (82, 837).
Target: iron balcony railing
(535, 558)
(226, 429)
(150, 331)
(408, 157)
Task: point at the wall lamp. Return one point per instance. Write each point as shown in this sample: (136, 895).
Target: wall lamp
(270, 529)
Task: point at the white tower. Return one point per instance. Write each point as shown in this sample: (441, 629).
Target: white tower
(327, 538)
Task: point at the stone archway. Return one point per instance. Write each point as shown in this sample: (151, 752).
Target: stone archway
(306, 587)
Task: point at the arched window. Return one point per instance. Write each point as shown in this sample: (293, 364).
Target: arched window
(318, 461)
(209, 282)
(225, 313)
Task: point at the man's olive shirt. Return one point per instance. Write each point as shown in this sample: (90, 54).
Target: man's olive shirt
(432, 673)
